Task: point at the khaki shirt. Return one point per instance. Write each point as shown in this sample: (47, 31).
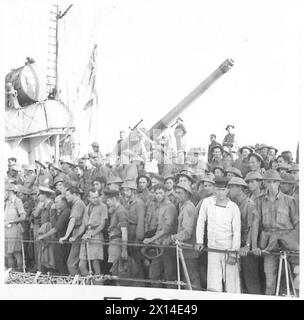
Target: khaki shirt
(118, 220)
(167, 220)
(136, 215)
(186, 227)
(248, 211)
(281, 214)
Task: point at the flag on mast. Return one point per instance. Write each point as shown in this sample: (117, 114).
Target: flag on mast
(89, 79)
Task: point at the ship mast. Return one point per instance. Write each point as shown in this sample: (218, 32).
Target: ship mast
(52, 76)
(53, 83)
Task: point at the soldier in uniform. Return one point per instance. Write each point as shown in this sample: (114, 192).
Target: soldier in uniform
(95, 155)
(263, 150)
(77, 212)
(93, 223)
(254, 180)
(117, 229)
(136, 220)
(256, 162)
(61, 251)
(169, 185)
(294, 170)
(217, 157)
(187, 219)
(242, 163)
(44, 178)
(230, 139)
(144, 183)
(250, 265)
(278, 215)
(218, 171)
(163, 267)
(29, 176)
(185, 177)
(68, 169)
(288, 186)
(42, 215)
(210, 147)
(14, 213)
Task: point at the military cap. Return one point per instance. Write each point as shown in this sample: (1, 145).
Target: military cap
(235, 171)
(246, 147)
(218, 167)
(216, 146)
(213, 135)
(56, 167)
(221, 182)
(40, 163)
(95, 144)
(184, 174)
(110, 193)
(236, 181)
(169, 176)
(129, 184)
(23, 189)
(288, 178)
(256, 155)
(272, 175)
(45, 190)
(229, 126)
(261, 146)
(283, 166)
(293, 167)
(210, 175)
(12, 187)
(58, 179)
(206, 179)
(274, 148)
(253, 175)
(185, 187)
(115, 180)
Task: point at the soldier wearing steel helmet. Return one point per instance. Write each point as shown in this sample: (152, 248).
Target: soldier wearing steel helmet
(136, 219)
(186, 231)
(250, 265)
(14, 213)
(277, 214)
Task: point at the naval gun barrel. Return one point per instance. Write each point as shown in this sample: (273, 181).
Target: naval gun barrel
(163, 123)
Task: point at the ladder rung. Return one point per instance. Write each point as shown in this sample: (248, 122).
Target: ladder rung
(51, 68)
(52, 36)
(52, 44)
(52, 28)
(52, 60)
(53, 20)
(53, 12)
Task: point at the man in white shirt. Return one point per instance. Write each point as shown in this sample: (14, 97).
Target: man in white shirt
(223, 233)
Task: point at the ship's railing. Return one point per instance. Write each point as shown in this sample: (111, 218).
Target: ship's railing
(25, 277)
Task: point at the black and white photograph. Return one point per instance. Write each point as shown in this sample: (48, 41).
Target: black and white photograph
(151, 149)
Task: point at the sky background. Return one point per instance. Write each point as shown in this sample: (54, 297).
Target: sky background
(151, 54)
